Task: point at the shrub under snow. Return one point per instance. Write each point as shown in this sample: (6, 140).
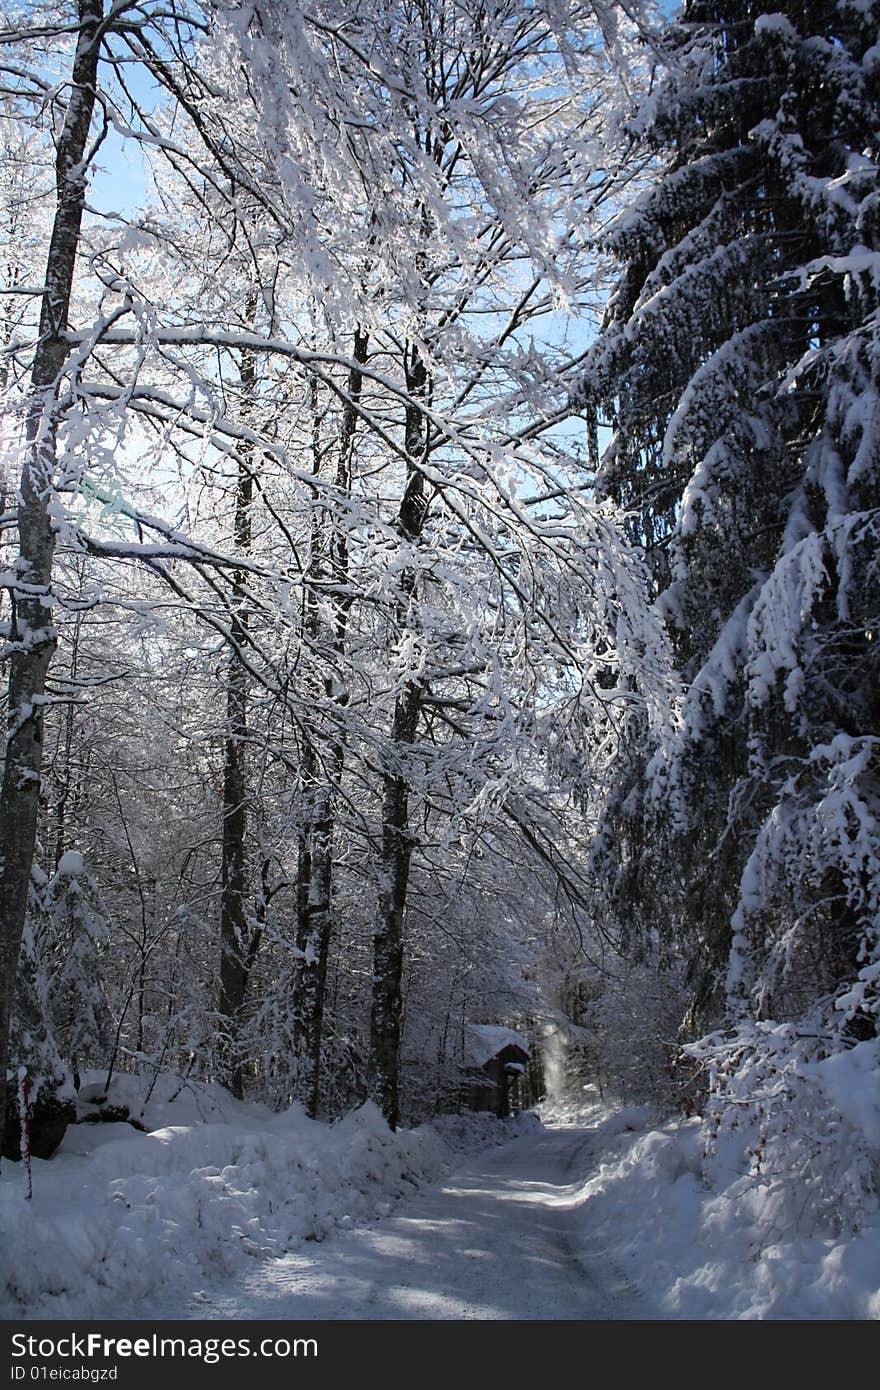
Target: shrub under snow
(702, 1239)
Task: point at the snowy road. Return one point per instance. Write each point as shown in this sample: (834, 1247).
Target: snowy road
(499, 1240)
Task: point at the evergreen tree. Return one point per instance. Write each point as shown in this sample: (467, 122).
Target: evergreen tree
(72, 931)
(738, 365)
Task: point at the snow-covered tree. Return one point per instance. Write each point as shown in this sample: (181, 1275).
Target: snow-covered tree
(738, 366)
(31, 635)
(70, 933)
(442, 272)
(311, 393)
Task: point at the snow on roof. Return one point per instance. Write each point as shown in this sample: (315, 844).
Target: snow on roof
(486, 1040)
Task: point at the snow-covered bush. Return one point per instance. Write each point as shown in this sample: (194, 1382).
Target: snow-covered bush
(799, 1118)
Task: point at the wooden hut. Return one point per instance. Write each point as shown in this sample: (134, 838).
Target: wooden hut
(502, 1056)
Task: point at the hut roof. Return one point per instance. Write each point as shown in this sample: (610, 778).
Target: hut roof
(486, 1040)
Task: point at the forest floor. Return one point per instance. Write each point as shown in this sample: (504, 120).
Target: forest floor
(500, 1239)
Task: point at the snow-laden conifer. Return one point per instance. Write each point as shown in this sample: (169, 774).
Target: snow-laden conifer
(739, 368)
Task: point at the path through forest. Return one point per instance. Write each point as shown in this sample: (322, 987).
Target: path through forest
(500, 1239)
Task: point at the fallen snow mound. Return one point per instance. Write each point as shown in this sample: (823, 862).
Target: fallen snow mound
(702, 1244)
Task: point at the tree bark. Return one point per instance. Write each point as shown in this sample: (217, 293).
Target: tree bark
(33, 636)
(387, 997)
(236, 957)
(315, 886)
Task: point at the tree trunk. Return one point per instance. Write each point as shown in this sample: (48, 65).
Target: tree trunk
(313, 944)
(236, 957)
(315, 886)
(33, 637)
(383, 1066)
(233, 916)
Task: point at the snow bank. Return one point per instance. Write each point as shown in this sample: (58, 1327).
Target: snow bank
(118, 1214)
(715, 1244)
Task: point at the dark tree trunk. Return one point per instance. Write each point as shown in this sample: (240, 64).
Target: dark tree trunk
(315, 883)
(233, 916)
(387, 999)
(313, 942)
(236, 956)
(32, 637)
